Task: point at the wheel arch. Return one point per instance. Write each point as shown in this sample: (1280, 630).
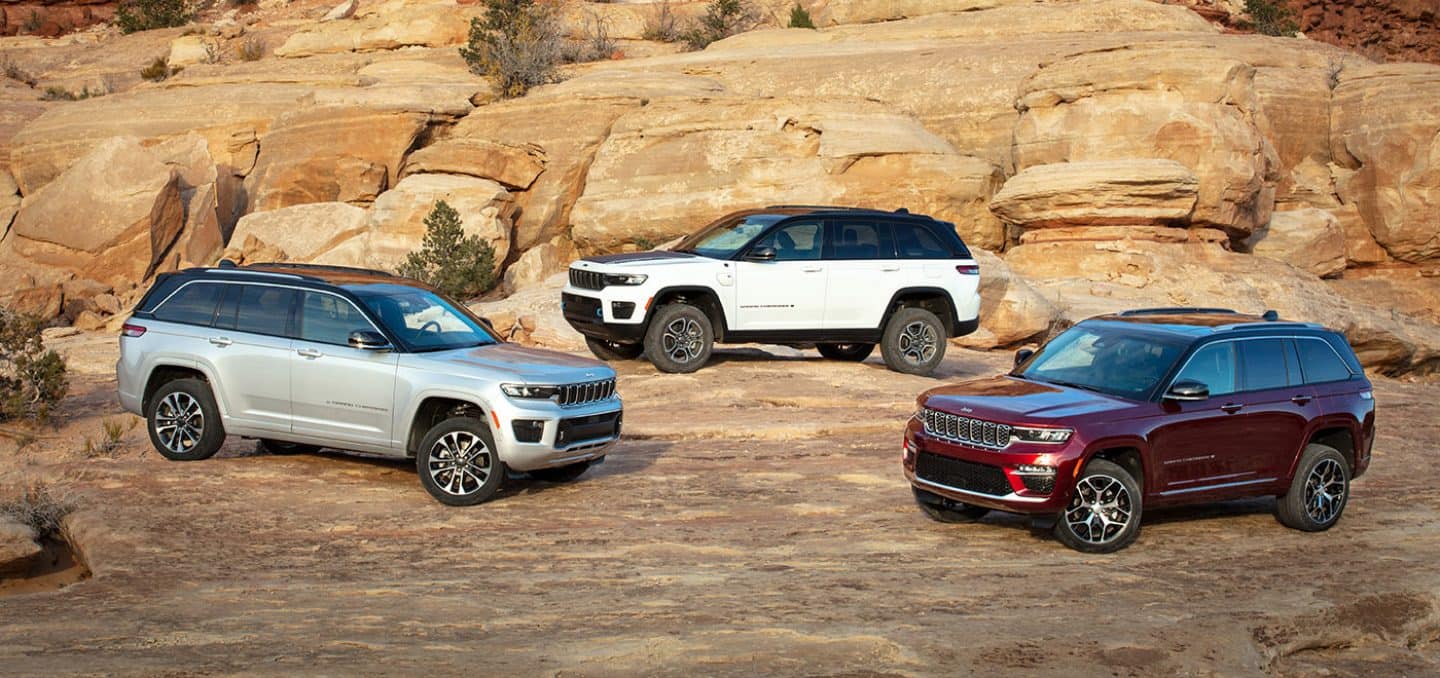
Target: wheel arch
(1128, 454)
(434, 408)
(1331, 434)
(934, 299)
(165, 373)
(704, 298)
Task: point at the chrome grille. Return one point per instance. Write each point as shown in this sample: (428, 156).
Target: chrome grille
(965, 430)
(588, 280)
(588, 392)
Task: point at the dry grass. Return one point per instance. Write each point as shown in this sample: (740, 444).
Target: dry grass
(39, 507)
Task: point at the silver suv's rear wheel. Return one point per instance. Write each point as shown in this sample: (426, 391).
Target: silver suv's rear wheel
(457, 462)
(183, 421)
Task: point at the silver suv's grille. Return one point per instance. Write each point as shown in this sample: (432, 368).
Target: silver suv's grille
(588, 280)
(966, 430)
(588, 392)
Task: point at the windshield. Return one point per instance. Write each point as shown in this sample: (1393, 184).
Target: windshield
(1113, 361)
(723, 239)
(425, 321)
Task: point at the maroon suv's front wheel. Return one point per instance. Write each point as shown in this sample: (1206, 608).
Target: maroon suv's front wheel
(1103, 515)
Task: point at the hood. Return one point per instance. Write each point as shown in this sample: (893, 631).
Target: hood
(513, 361)
(1018, 401)
(632, 260)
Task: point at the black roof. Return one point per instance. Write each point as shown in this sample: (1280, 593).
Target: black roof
(1202, 321)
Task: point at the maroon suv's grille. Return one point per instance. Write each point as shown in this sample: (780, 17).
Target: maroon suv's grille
(966, 430)
(589, 392)
(962, 475)
(588, 280)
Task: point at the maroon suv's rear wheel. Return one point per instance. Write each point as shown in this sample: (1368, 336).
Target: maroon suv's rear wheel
(1104, 510)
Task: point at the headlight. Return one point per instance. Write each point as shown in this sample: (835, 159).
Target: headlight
(1027, 434)
(528, 391)
(626, 278)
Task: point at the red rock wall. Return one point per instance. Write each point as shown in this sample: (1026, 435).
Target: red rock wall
(1385, 30)
(27, 17)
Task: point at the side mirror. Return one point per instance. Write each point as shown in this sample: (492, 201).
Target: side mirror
(367, 340)
(1022, 355)
(761, 254)
(1188, 390)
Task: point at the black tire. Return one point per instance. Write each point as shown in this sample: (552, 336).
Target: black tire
(613, 350)
(561, 474)
(281, 447)
(945, 510)
(454, 479)
(1318, 494)
(184, 422)
(853, 353)
(680, 338)
(1113, 488)
(914, 341)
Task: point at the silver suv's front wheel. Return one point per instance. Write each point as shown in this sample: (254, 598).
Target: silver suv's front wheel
(457, 462)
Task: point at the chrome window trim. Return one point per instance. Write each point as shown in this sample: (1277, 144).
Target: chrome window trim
(293, 288)
(1237, 359)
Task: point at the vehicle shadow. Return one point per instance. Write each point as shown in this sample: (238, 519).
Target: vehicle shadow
(1039, 527)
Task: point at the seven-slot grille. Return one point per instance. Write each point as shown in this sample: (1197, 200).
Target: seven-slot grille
(962, 475)
(966, 430)
(588, 280)
(588, 392)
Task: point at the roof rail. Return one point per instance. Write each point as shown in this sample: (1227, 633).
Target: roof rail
(319, 267)
(1268, 325)
(818, 207)
(241, 271)
(1175, 310)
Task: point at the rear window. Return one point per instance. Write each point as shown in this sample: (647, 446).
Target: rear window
(193, 304)
(1262, 363)
(860, 240)
(913, 241)
(1320, 362)
(264, 309)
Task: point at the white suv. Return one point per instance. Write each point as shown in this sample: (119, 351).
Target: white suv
(842, 279)
(304, 357)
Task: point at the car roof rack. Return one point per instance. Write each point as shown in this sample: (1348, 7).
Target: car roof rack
(819, 207)
(319, 268)
(1176, 310)
(232, 270)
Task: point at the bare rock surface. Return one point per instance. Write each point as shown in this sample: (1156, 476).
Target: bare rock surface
(384, 26)
(1130, 192)
(1309, 239)
(17, 545)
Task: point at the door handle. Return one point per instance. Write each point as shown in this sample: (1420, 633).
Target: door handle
(1231, 408)
(309, 352)
(813, 269)
(890, 268)
(221, 341)
(1301, 399)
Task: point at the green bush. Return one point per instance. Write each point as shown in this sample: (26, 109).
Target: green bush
(799, 18)
(723, 18)
(518, 45)
(144, 15)
(32, 379)
(462, 266)
(1271, 18)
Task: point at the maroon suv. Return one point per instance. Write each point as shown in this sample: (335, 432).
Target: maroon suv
(1152, 407)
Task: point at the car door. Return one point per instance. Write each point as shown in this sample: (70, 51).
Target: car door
(251, 357)
(788, 292)
(1193, 446)
(1276, 407)
(863, 274)
(339, 393)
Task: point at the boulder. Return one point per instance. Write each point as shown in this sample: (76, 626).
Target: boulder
(344, 10)
(188, 50)
(1190, 103)
(514, 167)
(1386, 129)
(1140, 192)
(1011, 311)
(18, 547)
(539, 263)
(300, 232)
(1404, 289)
(534, 317)
(331, 154)
(673, 166)
(384, 26)
(1360, 246)
(1309, 239)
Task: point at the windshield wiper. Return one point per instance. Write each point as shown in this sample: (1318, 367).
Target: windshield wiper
(1071, 384)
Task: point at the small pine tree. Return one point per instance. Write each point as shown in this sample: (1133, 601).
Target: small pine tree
(723, 18)
(800, 18)
(144, 15)
(518, 44)
(461, 266)
(32, 379)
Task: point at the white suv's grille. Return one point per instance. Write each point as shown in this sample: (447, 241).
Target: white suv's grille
(966, 430)
(588, 280)
(588, 392)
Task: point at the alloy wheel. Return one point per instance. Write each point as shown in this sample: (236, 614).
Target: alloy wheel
(1325, 491)
(460, 463)
(1100, 509)
(683, 340)
(179, 422)
(917, 342)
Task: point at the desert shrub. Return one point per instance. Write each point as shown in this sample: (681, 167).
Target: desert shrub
(32, 379)
(723, 18)
(62, 94)
(462, 266)
(32, 24)
(113, 430)
(15, 72)
(663, 25)
(595, 43)
(1271, 18)
(518, 45)
(35, 505)
(253, 49)
(159, 70)
(800, 18)
(144, 15)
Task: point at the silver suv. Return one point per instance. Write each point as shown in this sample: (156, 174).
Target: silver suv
(303, 357)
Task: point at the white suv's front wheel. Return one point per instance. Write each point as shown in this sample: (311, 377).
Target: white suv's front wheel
(457, 462)
(914, 341)
(680, 338)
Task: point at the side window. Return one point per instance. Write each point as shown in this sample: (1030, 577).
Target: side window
(264, 309)
(193, 304)
(859, 240)
(1262, 363)
(328, 319)
(1213, 366)
(913, 241)
(225, 315)
(1320, 362)
(795, 242)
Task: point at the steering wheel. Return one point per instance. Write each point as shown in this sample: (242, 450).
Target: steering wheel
(426, 327)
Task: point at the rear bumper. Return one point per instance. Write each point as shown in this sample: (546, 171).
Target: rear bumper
(989, 478)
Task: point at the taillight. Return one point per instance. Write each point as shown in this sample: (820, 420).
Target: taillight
(968, 269)
(128, 330)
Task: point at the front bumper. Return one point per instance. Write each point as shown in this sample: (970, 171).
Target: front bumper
(986, 477)
(569, 434)
(616, 313)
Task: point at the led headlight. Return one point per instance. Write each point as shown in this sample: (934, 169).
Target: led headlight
(626, 278)
(1027, 434)
(528, 391)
